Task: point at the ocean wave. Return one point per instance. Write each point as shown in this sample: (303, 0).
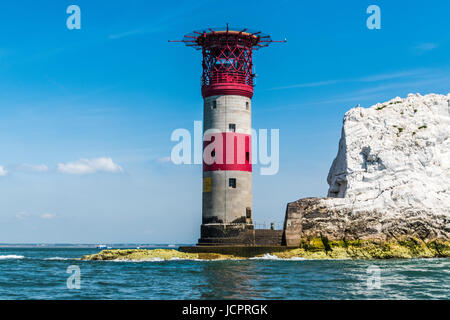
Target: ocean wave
(266, 256)
(11, 256)
(59, 259)
(269, 256)
(156, 259)
(160, 260)
(137, 260)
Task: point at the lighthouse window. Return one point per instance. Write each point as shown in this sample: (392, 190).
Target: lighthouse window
(246, 105)
(232, 127)
(232, 183)
(214, 104)
(247, 156)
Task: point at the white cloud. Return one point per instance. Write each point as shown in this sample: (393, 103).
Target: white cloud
(372, 78)
(22, 215)
(394, 75)
(3, 171)
(35, 168)
(425, 47)
(164, 159)
(309, 85)
(124, 34)
(25, 215)
(87, 166)
(48, 216)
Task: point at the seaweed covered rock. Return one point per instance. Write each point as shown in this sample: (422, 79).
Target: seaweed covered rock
(315, 248)
(152, 255)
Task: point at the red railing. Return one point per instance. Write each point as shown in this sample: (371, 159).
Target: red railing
(226, 77)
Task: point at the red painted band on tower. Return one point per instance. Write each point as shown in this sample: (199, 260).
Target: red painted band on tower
(227, 151)
(227, 89)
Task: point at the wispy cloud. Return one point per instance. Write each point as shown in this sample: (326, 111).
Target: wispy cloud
(393, 75)
(34, 168)
(308, 85)
(26, 215)
(163, 159)
(425, 47)
(87, 166)
(371, 78)
(162, 22)
(48, 216)
(426, 82)
(3, 171)
(23, 215)
(376, 91)
(156, 27)
(125, 34)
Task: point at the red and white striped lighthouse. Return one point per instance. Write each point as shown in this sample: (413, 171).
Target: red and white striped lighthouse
(227, 90)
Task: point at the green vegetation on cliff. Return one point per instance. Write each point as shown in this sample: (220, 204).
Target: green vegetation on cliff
(317, 248)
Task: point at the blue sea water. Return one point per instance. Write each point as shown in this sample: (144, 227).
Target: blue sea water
(41, 273)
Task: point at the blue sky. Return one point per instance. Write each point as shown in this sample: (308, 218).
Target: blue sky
(116, 89)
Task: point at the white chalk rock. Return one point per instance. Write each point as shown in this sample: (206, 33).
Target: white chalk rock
(394, 157)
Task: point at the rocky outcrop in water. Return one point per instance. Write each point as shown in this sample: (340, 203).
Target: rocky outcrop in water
(316, 248)
(390, 179)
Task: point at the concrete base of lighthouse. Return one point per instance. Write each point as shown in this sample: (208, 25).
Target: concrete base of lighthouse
(238, 235)
(226, 234)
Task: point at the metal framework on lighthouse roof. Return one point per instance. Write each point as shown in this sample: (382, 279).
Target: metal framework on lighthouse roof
(222, 35)
(227, 58)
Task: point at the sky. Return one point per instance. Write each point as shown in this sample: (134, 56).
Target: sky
(86, 115)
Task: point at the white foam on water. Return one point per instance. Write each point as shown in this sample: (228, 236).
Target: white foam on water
(11, 256)
(167, 260)
(152, 260)
(296, 259)
(269, 256)
(160, 260)
(137, 260)
(266, 256)
(59, 258)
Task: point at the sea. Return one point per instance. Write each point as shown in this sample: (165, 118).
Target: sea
(55, 272)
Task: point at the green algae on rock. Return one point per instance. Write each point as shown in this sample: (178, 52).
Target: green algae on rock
(317, 248)
(152, 254)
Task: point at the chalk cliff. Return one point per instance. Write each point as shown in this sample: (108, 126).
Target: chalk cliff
(390, 178)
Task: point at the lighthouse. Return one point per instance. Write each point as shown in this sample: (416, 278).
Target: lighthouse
(227, 83)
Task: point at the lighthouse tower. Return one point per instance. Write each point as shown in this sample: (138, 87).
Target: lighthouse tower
(227, 88)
